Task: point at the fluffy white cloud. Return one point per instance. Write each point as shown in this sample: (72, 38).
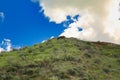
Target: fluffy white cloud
(43, 41)
(99, 18)
(2, 16)
(6, 45)
(1, 50)
(52, 37)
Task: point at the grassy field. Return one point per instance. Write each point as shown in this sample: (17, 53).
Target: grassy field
(62, 59)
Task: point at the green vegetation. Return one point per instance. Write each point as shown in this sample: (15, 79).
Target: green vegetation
(62, 59)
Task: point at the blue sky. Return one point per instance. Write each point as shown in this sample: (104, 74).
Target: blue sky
(24, 24)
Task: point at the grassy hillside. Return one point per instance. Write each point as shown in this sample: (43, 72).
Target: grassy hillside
(62, 59)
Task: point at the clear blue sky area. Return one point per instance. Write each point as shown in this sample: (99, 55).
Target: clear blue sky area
(24, 25)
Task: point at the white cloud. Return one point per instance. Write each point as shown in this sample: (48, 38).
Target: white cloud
(1, 50)
(2, 16)
(6, 45)
(99, 18)
(51, 37)
(73, 29)
(43, 41)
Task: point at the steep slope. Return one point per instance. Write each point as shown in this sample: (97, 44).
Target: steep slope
(62, 59)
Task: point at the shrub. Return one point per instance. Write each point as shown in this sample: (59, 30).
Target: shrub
(87, 55)
(61, 37)
(118, 61)
(72, 72)
(106, 70)
(97, 61)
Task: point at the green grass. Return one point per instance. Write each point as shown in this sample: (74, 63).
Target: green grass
(62, 59)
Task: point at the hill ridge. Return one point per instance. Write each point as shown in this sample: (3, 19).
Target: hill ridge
(62, 59)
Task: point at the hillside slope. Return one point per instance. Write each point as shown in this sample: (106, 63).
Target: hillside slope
(62, 59)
